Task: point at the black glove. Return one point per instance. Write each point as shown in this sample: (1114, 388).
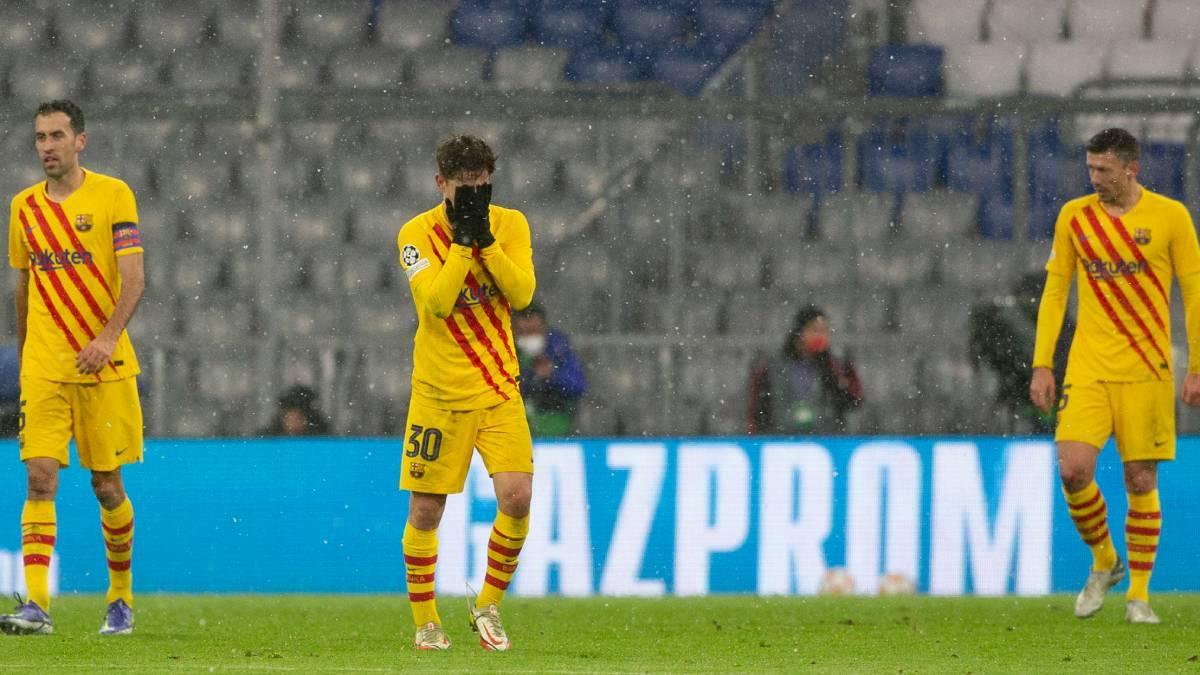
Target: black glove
(469, 215)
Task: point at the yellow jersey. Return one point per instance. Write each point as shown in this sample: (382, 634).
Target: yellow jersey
(463, 355)
(70, 249)
(1125, 265)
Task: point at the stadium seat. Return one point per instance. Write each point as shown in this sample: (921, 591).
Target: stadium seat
(1060, 68)
(907, 71)
(857, 217)
(1022, 21)
(85, 28)
(165, 26)
(646, 28)
(301, 69)
(571, 24)
(1164, 168)
(448, 68)
(488, 24)
(239, 26)
(366, 69)
(23, 27)
(208, 69)
(1157, 59)
(815, 168)
(414, 24)
(796, 268)
(34, 78)
(601, 67)
(125, 72)
(951, 23)
(996, 219)
(322, 25)
(1177, 20)
(984, 70)
(1107, 21)
(686, 70)
(939, 215)
(529, 68)
(722, 26)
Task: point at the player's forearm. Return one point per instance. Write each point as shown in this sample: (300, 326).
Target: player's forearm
(1189, 288)
(1050, 317)
(515, 281)
(439, 292)
(133, 287)
(21, 299)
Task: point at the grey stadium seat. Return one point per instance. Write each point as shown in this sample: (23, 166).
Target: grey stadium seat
(414, 24)
(946, 22)
(22, 27)
(532, 68)
(174, 25)
(939, 215)
(1176, 20)
(365, 177)
(87, 27)
(984, 70)
(1158, 58)
(1058, 68)
(209, 69)
(125, 72)
(1021, 21)
(239, 26)
(323, 25)
(448, 68)
(366, 69)
(1107, 20)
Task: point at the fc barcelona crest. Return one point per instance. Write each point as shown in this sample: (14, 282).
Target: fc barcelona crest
(416, 470)
(1141, 236)
(83, 222)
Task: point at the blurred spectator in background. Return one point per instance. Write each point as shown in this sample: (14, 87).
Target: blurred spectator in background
(805, 389)
(1001, 336)
(552, 380)
(10, 391)
(298, 415)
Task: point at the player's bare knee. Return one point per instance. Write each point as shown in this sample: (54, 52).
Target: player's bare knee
(109, 490)
(1141, 478)
(514, 500)
(425, 510)
(41, 483)
(1074, 477)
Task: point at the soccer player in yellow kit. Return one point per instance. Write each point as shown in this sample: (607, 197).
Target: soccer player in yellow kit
(1125, 242)
(469, 264)
(75, 244)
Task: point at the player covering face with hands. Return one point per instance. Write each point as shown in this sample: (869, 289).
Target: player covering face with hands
(469, 264)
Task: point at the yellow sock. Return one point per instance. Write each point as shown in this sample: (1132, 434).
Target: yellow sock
(39, 528)
(1090, 513)
(420, 559)
(504, 545)
(118, 543)
(1143, 524)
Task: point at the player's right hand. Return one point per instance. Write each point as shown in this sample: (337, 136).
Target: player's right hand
(469, 213)
(1041, 389)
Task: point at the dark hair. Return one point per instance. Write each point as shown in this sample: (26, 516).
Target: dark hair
(805, 316)
(298, 396)
(1120, 142)
(66, 107)
(459, 155)
(531, 310)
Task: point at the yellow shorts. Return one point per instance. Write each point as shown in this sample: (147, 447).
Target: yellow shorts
(1140, 414)
(105, 418)
(438, 445)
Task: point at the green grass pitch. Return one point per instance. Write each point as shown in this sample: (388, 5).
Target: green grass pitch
(372, 634)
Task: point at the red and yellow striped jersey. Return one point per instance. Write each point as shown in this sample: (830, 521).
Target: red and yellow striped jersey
(463, 357)
(71, 250)
(1125, 267)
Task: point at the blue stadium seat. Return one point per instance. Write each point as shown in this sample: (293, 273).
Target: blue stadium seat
(1164, 168)
(646, 28)
(980, 170)
(908, 71)
(686, 69)
(570, 23)
(815, 168)
(489, 24)
(996, 218)
(602, 66)
(724, 25)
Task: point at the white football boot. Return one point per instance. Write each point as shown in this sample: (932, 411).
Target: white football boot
(1091, 598)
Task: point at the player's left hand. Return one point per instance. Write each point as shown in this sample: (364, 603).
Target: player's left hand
(95, 355)
(1191, 390)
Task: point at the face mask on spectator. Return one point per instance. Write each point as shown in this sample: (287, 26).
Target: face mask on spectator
(815, 344)
(533, 345)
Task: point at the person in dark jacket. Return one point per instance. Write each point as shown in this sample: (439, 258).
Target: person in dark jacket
(298, 415)
(1001, 339)
(552, 380)
(805, 389)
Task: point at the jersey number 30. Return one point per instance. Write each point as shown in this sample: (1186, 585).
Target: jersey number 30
(424, 442)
